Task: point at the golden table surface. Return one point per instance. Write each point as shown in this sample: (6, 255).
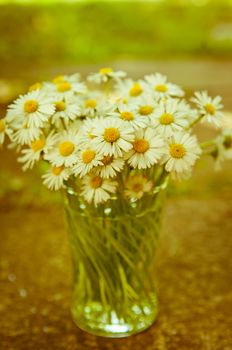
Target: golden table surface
(194, 269)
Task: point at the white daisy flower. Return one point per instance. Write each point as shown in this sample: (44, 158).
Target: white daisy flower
(95, 135)
(25, 135)
(15, 121)
(148, 147)
(169, 117)
(130, 89)
(66, 109)
(87, 159)
(162, 88)
(210, 108)
(182, 152)
(89, 106)
(189, 113)
(75, 126)
(65, 88)
(4, 130)
(223, 148)
(64, 150)
(34, 107)
(35, 86)
(33, 154)
(86, 132)
(55, 177)
(127, 113)
(180, 176)
(110, 166)
(113, 137)
(97, 107)
(137, 185)
(73, 78)
(106, 74)
(96, 189)
(145, 107)
(105, 109)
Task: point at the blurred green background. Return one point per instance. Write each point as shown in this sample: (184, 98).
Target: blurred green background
(44, 33)
(39, 37)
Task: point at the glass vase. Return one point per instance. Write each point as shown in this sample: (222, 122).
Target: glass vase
(113, 250)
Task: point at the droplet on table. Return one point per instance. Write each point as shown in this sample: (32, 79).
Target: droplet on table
(22, 293)
(11, 277)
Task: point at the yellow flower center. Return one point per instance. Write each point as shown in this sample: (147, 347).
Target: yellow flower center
(127, 116)
(137, 187)
(35, 86)
(95, 182)
(59, 79)
(88, 155)
(66, 148)
(2, 125)
(177, 150)
(107, 160)
(161, 88)
(63, 87)
(121, 100)
(60, 106)
(210, 108)
(111, 134)
(90, 134)
(141, 146)
(90, 103)
(145, 110)
(30, 106)
(105, 70)
(37, 145)
(136, 90)
(166, 119)
(56, 170)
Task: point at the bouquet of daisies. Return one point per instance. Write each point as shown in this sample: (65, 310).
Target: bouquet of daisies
(112, 143)
(111, 136)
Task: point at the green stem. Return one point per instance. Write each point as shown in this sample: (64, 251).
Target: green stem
(115, 256)
(209, 148)
(63, 123)
(107, 88)
(207, 144)
(195, 121)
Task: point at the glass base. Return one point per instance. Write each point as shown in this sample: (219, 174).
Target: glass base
(94, 319)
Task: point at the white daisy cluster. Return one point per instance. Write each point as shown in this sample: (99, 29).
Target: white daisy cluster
(111, 140)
